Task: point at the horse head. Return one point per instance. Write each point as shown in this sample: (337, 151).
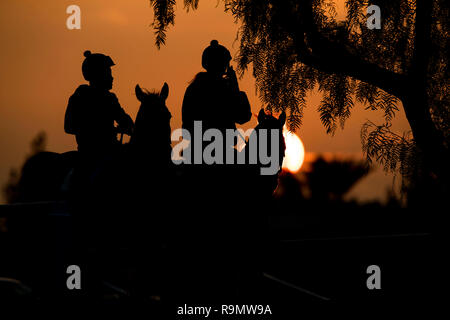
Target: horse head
(270, 124)
(152, 126)
(266, 120)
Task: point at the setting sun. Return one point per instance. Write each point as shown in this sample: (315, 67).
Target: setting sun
(295, 151)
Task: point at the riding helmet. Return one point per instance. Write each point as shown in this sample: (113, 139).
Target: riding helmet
(215, 54)
(95, 63)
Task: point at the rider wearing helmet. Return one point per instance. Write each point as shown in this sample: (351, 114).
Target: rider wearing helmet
(92, 109)
(213, 97)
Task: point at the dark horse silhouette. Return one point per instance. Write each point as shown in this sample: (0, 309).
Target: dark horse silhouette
(147, 201)
(47, 176)
(151, 137)
(220, 222)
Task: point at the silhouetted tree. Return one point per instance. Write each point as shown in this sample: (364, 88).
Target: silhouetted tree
(331, 180)
(323, 184)
(11, 187)
(297, 45)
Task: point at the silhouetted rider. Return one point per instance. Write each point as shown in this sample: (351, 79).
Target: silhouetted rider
(213, 97)
(92, 109)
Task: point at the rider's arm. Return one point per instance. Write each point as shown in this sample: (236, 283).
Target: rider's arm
(71, 116)
(187, 110)
(243, 111)
(124, 121)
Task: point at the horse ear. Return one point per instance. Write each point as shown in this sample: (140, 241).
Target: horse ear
(261, 115)
(139, 93)
(164, 91)
(282, 118)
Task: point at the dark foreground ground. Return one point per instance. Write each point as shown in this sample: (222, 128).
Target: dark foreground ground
(311, 261)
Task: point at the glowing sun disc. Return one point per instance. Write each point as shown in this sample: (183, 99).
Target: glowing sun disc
(295, 151)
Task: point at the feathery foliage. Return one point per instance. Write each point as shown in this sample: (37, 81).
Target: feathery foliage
(164, 17)
(295, 46)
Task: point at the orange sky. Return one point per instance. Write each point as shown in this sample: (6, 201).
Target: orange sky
(40, 63)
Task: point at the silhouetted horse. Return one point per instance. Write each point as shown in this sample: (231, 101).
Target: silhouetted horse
(151, 138)
(260, 185)
(221, 219)
(147, 194)
(149, 161)
(147, 156)
(46, 175)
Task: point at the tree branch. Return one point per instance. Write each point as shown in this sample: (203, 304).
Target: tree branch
(319, 52)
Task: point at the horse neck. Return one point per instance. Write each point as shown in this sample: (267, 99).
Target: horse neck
(256, 131)
(152, 139)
